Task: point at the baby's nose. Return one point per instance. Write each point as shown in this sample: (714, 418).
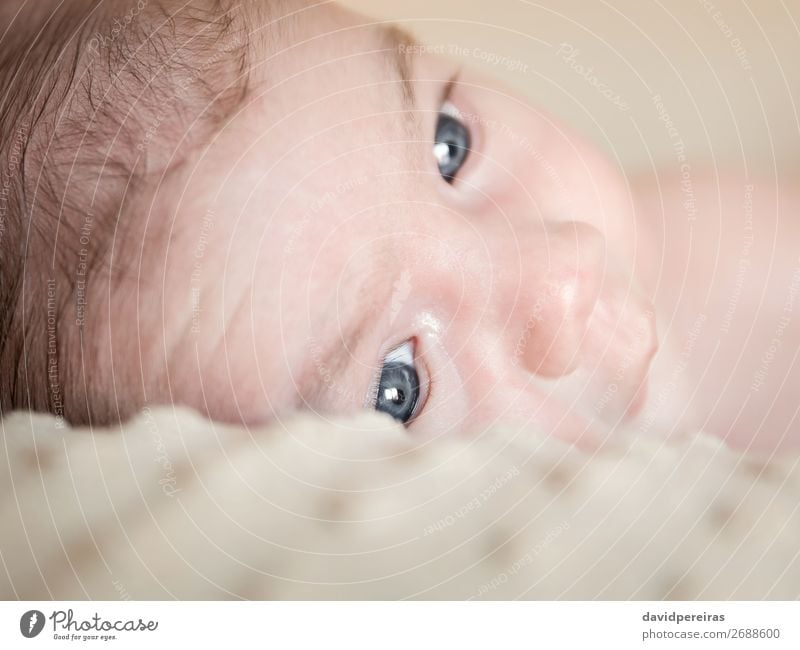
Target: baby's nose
(562, 277)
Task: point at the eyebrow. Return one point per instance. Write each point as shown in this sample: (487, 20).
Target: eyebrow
(399, 45)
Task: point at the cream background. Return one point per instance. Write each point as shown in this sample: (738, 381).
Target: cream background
(743, 120)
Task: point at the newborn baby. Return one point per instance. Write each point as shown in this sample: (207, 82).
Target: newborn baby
(255, 207)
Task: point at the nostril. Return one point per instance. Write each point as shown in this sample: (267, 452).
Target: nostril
(619, 347)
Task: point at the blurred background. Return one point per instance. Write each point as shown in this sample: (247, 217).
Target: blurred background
(727, 72)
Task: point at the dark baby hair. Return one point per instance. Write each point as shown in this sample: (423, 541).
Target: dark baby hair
(98, 101)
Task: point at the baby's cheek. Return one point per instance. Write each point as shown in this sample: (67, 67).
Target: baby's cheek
(533, 406)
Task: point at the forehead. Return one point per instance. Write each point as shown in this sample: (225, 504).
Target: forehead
(332, 49)
(330, 112)
(315, 164)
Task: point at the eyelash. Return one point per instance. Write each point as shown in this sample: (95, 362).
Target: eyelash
(425, 383)
(447, 91)
(454, 137)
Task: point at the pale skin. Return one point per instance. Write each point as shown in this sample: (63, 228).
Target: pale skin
(316, 233)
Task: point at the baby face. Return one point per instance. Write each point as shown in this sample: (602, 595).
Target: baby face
(377, 228)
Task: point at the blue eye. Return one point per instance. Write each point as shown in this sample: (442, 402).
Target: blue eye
(398, 389)
(451, 144)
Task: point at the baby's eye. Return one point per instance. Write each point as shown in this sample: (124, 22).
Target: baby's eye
(451, 142)
(398, 389)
